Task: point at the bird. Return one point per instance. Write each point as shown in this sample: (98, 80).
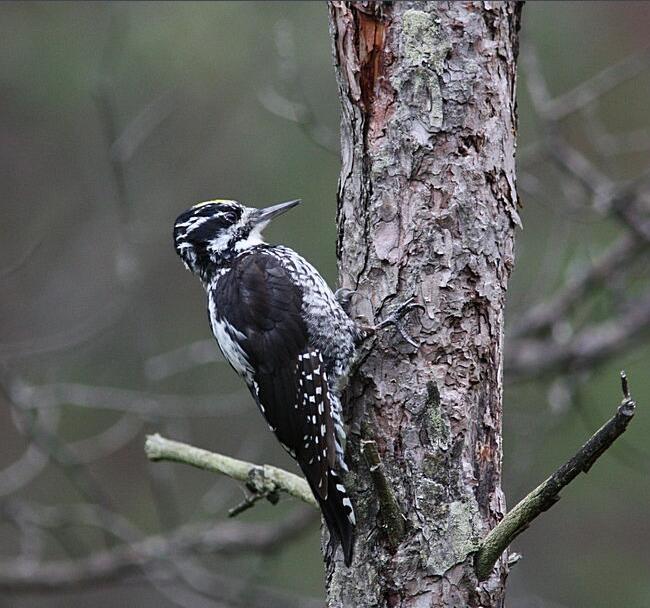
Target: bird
(284, 331)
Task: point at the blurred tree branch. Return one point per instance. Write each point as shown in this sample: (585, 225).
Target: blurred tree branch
(591, 90)
(534, 348)
(295, 107)
(37, 410)
(225, 538)
(543, 315)
(530, 358)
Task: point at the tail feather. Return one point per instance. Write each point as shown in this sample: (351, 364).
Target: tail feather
(339, 515)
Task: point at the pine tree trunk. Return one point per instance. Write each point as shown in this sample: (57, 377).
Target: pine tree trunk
(427, 207)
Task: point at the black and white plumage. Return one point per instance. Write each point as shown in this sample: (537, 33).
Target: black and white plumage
(280, 327)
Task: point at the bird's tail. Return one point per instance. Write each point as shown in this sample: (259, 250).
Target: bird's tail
(339, 515)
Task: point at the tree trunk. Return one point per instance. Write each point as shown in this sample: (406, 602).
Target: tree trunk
(427, 207)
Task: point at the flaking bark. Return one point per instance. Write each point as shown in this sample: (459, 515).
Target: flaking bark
(427, 207)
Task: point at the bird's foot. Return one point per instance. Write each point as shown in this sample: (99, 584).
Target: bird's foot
(396, 319)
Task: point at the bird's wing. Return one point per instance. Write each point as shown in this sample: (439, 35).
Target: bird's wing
(262, 308)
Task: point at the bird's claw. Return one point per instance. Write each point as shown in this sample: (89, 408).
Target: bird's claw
(396, 318)
(402, 332)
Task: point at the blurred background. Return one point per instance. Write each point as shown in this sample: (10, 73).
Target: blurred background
(117, 117)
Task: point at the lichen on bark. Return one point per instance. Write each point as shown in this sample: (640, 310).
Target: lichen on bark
(424, 48)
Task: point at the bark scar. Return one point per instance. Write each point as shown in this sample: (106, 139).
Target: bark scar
(370, 47)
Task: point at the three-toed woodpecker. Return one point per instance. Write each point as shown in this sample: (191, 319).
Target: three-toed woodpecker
(282, 329)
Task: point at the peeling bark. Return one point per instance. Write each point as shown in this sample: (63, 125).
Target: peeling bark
(427, 207)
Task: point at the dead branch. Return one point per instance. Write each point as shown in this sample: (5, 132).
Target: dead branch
(544, 496)
(261, 479)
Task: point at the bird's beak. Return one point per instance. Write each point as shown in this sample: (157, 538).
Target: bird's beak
(263, 216)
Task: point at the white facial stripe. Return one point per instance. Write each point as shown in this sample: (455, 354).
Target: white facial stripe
(221, 242)
(254, 238)
(198, 222)
(192, 224)
(224, 239)
(215, 201)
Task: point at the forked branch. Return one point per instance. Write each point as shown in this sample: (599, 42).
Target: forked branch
(546, 494)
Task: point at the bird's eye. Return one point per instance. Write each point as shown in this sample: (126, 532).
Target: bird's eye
(230, 217)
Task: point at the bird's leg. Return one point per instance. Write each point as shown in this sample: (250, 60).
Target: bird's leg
(367, 336)
(343, 296)
(367, 333)
(396, 319)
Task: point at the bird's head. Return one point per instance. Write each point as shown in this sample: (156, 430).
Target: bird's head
(212, 233)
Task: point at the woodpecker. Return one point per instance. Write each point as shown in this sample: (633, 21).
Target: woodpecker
(285, 333)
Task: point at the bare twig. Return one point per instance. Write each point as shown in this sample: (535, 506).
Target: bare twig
(106, 442)
(265, 479)
(142, 126)
(297, 110)
(32, 461)
(611, 144)
(531, 356)
(235, 592)
(547, 494)
(59, 517)
(607, 194)
(49, 442)
(182, 566)
(23, 470)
